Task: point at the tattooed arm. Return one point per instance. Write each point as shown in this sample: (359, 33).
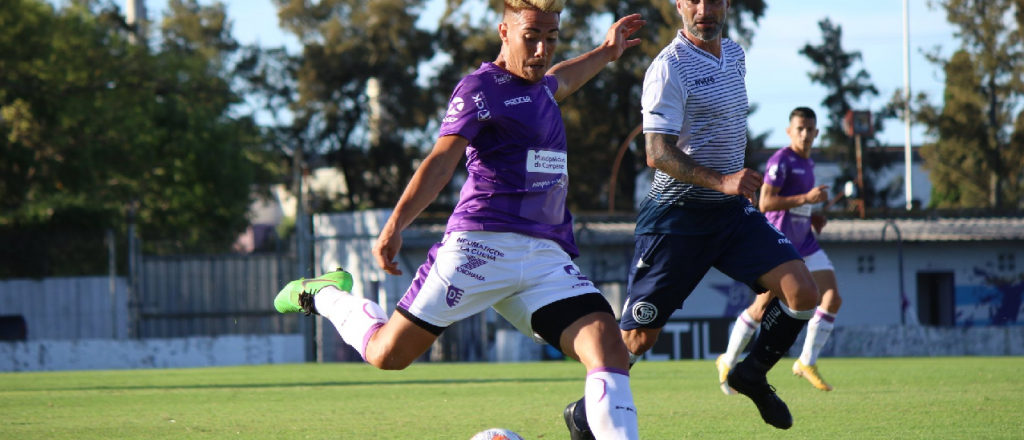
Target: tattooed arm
(663, 154)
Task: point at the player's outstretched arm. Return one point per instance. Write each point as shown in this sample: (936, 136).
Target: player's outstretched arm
(663, 154)
(572, 74)
(426, 184)
(772, 201)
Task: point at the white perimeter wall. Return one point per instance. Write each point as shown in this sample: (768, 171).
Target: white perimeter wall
(107, 354)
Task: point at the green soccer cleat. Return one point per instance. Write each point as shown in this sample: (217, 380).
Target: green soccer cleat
(297, 296)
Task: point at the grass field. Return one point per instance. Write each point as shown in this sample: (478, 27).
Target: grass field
(912, 398)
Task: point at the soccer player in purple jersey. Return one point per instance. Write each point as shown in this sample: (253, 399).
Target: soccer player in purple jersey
(786, 200)
(509, 244)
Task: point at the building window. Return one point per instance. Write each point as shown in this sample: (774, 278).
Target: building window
(866, 263)
(1007, 261)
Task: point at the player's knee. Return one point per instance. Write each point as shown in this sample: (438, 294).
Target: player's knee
(805, 297)
(639, 341)
(387, 359)
(832, 298)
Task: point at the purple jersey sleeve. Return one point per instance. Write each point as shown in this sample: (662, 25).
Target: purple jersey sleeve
(552, 83)
(467, 112)
(776, 172)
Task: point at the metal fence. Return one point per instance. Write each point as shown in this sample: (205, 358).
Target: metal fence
(204, 295)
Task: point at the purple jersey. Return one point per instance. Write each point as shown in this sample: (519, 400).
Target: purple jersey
(516, 158)
(793, 175)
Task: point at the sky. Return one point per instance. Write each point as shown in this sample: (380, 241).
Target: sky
(777, 75)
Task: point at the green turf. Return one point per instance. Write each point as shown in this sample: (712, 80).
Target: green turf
(913, 398)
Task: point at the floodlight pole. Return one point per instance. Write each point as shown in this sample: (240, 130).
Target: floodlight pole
(907, 156)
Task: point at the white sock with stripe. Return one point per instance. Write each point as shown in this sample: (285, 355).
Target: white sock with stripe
(742, 331)
(610, 409)
(818, 330)
(356, 319)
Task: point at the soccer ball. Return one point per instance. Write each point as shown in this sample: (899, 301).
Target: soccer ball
(496, 434)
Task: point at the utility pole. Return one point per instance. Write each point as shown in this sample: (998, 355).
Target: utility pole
(307, 327)
(907, 154)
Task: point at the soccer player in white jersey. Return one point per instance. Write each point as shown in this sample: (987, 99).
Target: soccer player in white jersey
(786, 200)
(509, 244)
(697, 214)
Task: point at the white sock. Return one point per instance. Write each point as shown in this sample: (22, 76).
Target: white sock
(356, 319)
(798, 314)
(610, 409)
(742, 331)
(818, 330)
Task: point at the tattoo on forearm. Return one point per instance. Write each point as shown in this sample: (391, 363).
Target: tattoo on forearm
(665, 156)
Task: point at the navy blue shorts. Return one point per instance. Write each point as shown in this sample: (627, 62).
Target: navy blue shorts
(667, 267)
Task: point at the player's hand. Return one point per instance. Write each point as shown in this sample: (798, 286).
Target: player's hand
(818, 222)
(618, 34)
(817, 195)
(744, 183)
(386, 248)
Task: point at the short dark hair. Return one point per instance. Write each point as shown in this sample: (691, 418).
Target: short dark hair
(803, 112)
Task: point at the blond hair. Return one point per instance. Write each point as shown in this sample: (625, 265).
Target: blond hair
(548, 6)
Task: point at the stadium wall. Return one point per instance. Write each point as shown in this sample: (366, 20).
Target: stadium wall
(108, 354)
(910, 340)
(848, 341)
(870, 323)
(67, 308)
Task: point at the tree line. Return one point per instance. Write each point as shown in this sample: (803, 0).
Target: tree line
(180, 127)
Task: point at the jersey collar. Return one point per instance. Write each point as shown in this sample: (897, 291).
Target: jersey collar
(685, 42)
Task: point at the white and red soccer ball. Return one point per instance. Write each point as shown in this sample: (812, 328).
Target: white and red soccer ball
(496, 434)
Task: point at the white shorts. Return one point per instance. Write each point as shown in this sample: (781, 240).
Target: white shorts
(818, 261)
(470, 271)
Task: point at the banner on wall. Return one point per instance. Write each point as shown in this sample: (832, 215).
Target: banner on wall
(991, 299)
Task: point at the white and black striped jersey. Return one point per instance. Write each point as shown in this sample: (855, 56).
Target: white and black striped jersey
(702, 99)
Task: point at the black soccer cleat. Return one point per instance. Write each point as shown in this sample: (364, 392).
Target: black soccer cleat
(755, 385)
(575, 433)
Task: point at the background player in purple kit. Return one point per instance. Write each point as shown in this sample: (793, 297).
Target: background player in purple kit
(509, 244)
(786, 200)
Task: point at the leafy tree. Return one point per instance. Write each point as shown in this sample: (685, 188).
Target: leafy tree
(978, 157)
(200, 142)
(92, 123)
(348, 44)
(956, 162)
(834, 71)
